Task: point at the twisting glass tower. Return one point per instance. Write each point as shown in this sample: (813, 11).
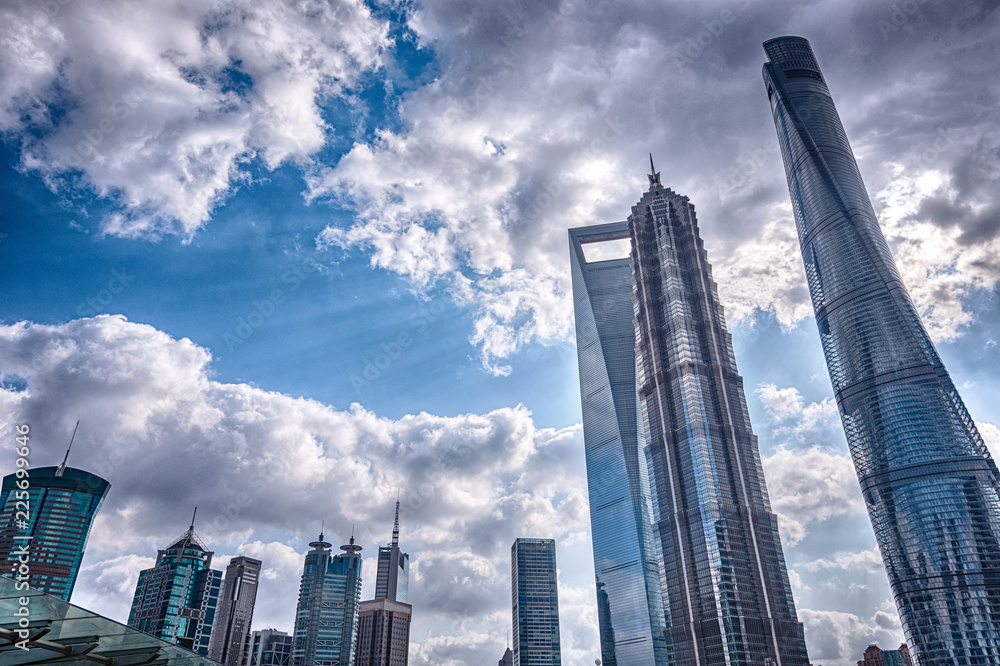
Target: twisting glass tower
(929, 483)
(727, 593)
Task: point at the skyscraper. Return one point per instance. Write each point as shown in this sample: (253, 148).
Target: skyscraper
(630, 603)
(62, 502)
(535, 601)
(393, 578)
(326, 619)
(235, 611)
(384, 623)
(383, 633)
(176, 600)
(930, 485)
(269, 647)
(726, 592)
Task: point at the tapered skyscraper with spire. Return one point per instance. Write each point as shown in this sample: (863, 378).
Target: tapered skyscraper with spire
(177, 599)
(384, 622)
(393, 579)
(931, 488)
(61, 504)
(659, 368)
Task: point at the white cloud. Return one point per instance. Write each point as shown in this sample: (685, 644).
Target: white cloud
(808, 486)
(265, 469)
(840, 639)
(164, 104)
(867, 560)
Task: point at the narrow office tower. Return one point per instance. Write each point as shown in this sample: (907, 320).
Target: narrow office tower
(630, 604)
(535, 603)
(930, 485)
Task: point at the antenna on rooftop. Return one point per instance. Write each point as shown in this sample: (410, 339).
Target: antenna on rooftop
(62, 467)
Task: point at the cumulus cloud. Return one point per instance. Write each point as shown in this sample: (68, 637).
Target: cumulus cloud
(840, 639)
(808, 486)
(537, 118)
(265, 469)
(157, 109)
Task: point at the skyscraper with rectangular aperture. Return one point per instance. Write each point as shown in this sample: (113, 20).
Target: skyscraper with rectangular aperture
(176, 600)
(235, 611)
(326, 619)
(60, 504)
(930, 485)
(535, 603)
(726, 589)
(630, 604)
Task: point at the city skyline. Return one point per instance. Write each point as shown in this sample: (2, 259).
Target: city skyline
(227, 223)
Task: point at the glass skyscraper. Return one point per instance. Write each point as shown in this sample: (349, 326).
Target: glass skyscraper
(727, 594)
(630, 603)
(326, 619)
(535, 603)
(176, 600)
(61, 504)
(930, 485)
(230, 637)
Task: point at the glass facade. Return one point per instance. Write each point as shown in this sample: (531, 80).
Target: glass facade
(59, 505)
(930, 485)
(630, 604)
(726, 590)
(177, 599)
(235, 612)
(326, 619)
(58, 632)
(535, 603)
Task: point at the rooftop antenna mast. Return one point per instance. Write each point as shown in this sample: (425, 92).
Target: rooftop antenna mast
(395, 525)
(62, 467)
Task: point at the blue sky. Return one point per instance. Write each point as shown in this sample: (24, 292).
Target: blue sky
(326, 243)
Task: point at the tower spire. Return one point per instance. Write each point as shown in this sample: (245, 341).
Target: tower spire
(654, 175)
(62, 467)
(193, 516)
(395, 525)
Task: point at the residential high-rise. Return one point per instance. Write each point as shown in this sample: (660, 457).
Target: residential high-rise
(326, 620)
(176, 600)
(535, 600)
(929, 483)
(383, 633)
(630, 603)
(384, 623)
(61, 504)
(235, 611)
(726, 590)
(269, 647)
(876, 656)
(393, 578)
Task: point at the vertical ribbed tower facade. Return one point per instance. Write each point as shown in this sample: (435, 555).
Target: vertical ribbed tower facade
(630, 603)
(230, 637)
(930, 485)
(535, 603)
(726, 586)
